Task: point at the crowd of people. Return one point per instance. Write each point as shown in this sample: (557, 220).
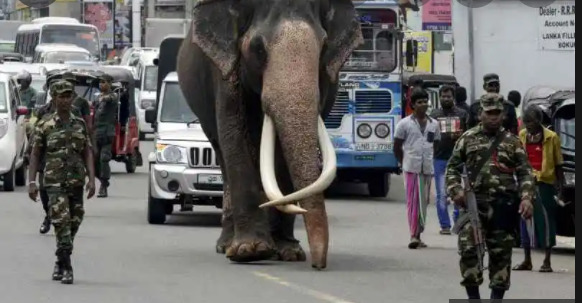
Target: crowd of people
(65, 149)
(512, 170)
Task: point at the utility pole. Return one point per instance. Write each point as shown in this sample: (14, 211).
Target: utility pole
(136, 23)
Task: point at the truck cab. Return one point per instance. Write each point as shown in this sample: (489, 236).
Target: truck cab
(184, 169)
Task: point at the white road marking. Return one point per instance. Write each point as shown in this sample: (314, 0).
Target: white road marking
(307, 291)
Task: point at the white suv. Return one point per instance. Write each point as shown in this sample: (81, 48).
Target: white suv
(12, 135)
(183, 166)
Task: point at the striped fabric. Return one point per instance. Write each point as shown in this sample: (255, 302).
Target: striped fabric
(418, 188)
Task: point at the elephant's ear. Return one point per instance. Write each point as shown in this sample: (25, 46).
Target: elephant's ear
(343, 36)
(215, 30)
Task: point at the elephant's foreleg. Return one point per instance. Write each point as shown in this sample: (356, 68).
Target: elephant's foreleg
(252, 240)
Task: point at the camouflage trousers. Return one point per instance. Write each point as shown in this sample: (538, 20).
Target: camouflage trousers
(103, 156)
(500, 248)
(66, 213)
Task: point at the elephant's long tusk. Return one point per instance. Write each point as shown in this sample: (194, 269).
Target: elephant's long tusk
(327, 176)
(267, 168)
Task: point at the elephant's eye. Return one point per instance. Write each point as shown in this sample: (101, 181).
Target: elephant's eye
(258, 50)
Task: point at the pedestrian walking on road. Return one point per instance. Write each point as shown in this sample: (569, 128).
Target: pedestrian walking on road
(494, 159)
(105, 121)
(544, 150)
(414, 148)
(492, 84)
(453, 123)
(64, 141)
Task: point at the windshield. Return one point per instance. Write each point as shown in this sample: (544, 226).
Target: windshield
(378, 53)
(174, 106)
(3, 101)
(6, 47)
(567, 130)
(151, 78)
(80, 36)
(62, 57)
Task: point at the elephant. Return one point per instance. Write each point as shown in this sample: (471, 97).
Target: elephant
(261, 75)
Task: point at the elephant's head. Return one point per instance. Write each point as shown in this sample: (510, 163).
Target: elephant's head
(288, 53)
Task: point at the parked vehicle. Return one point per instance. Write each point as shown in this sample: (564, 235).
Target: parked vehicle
(125, 147)
(55, 53)
(12, 135)
(559, 108)
(183, 167)
(57, 30)
(9, 56)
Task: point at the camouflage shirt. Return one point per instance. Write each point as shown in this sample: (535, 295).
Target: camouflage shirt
(28, 97)
(498, 176)
(63, 145)
(106, 115)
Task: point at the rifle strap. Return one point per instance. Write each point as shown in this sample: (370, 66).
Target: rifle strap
(485, 158)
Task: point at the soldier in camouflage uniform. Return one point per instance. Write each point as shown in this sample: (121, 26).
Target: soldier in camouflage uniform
(497, 193)
(106, 108)
(80, 104)
(80, 108)
(64, 141)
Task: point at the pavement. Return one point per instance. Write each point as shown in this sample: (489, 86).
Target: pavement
(119, 257)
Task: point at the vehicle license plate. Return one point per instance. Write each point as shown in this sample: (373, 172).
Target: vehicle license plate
(371, 146)
(209, 179)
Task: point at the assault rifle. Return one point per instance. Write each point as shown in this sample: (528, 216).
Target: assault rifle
(472, 217)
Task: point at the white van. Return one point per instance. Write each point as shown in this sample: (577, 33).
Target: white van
(12, 135)
(147, 73)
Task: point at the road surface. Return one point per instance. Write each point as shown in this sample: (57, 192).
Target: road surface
(120, 258)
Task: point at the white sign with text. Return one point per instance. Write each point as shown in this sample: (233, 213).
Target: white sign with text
(557, 23)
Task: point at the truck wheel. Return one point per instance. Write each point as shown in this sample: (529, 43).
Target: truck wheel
(379, 185)
(9, 180)
(21, 176)
(156, 209)
(131, 163)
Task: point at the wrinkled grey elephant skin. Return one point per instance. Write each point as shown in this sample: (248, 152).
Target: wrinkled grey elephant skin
(243, 60)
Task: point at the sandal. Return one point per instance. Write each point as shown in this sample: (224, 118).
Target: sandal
(546, 269)
(523, 267)
(414, 244)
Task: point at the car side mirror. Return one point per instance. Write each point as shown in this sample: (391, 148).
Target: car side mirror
(150, 115)
(22, 111)
(156, 61)
(411, 53)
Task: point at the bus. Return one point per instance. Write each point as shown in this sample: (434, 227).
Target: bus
(362, 121)
(57, 30)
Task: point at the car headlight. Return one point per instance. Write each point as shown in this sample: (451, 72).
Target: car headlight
(171, 154)
(145, 104)
(382, 130)
(3, 127)
(570, 179)
(365, 131)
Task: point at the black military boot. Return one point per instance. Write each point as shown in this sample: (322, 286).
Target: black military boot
(473, 293)
(68, 270)
(102, 192)
(45, 227)
(58, 271)
(497, 295)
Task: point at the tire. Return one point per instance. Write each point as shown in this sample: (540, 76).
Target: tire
(131, 163)
(9, 180)
(142, 136)
(156, 209)
(379, 185)
(20, 176)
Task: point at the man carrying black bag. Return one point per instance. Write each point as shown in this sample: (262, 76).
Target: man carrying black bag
(494, 159)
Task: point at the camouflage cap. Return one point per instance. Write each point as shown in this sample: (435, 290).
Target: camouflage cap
(61, 87)
(490, 102)
(491, 78)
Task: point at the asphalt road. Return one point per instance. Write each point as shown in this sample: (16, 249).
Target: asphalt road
(120, 258)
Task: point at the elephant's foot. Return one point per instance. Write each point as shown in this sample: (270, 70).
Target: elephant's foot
(225, 239)
(289, 251)
(250, 249)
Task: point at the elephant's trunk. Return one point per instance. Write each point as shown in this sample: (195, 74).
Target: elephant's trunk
(291, 104)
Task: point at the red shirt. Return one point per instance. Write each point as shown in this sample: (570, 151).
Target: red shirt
(535, 153)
